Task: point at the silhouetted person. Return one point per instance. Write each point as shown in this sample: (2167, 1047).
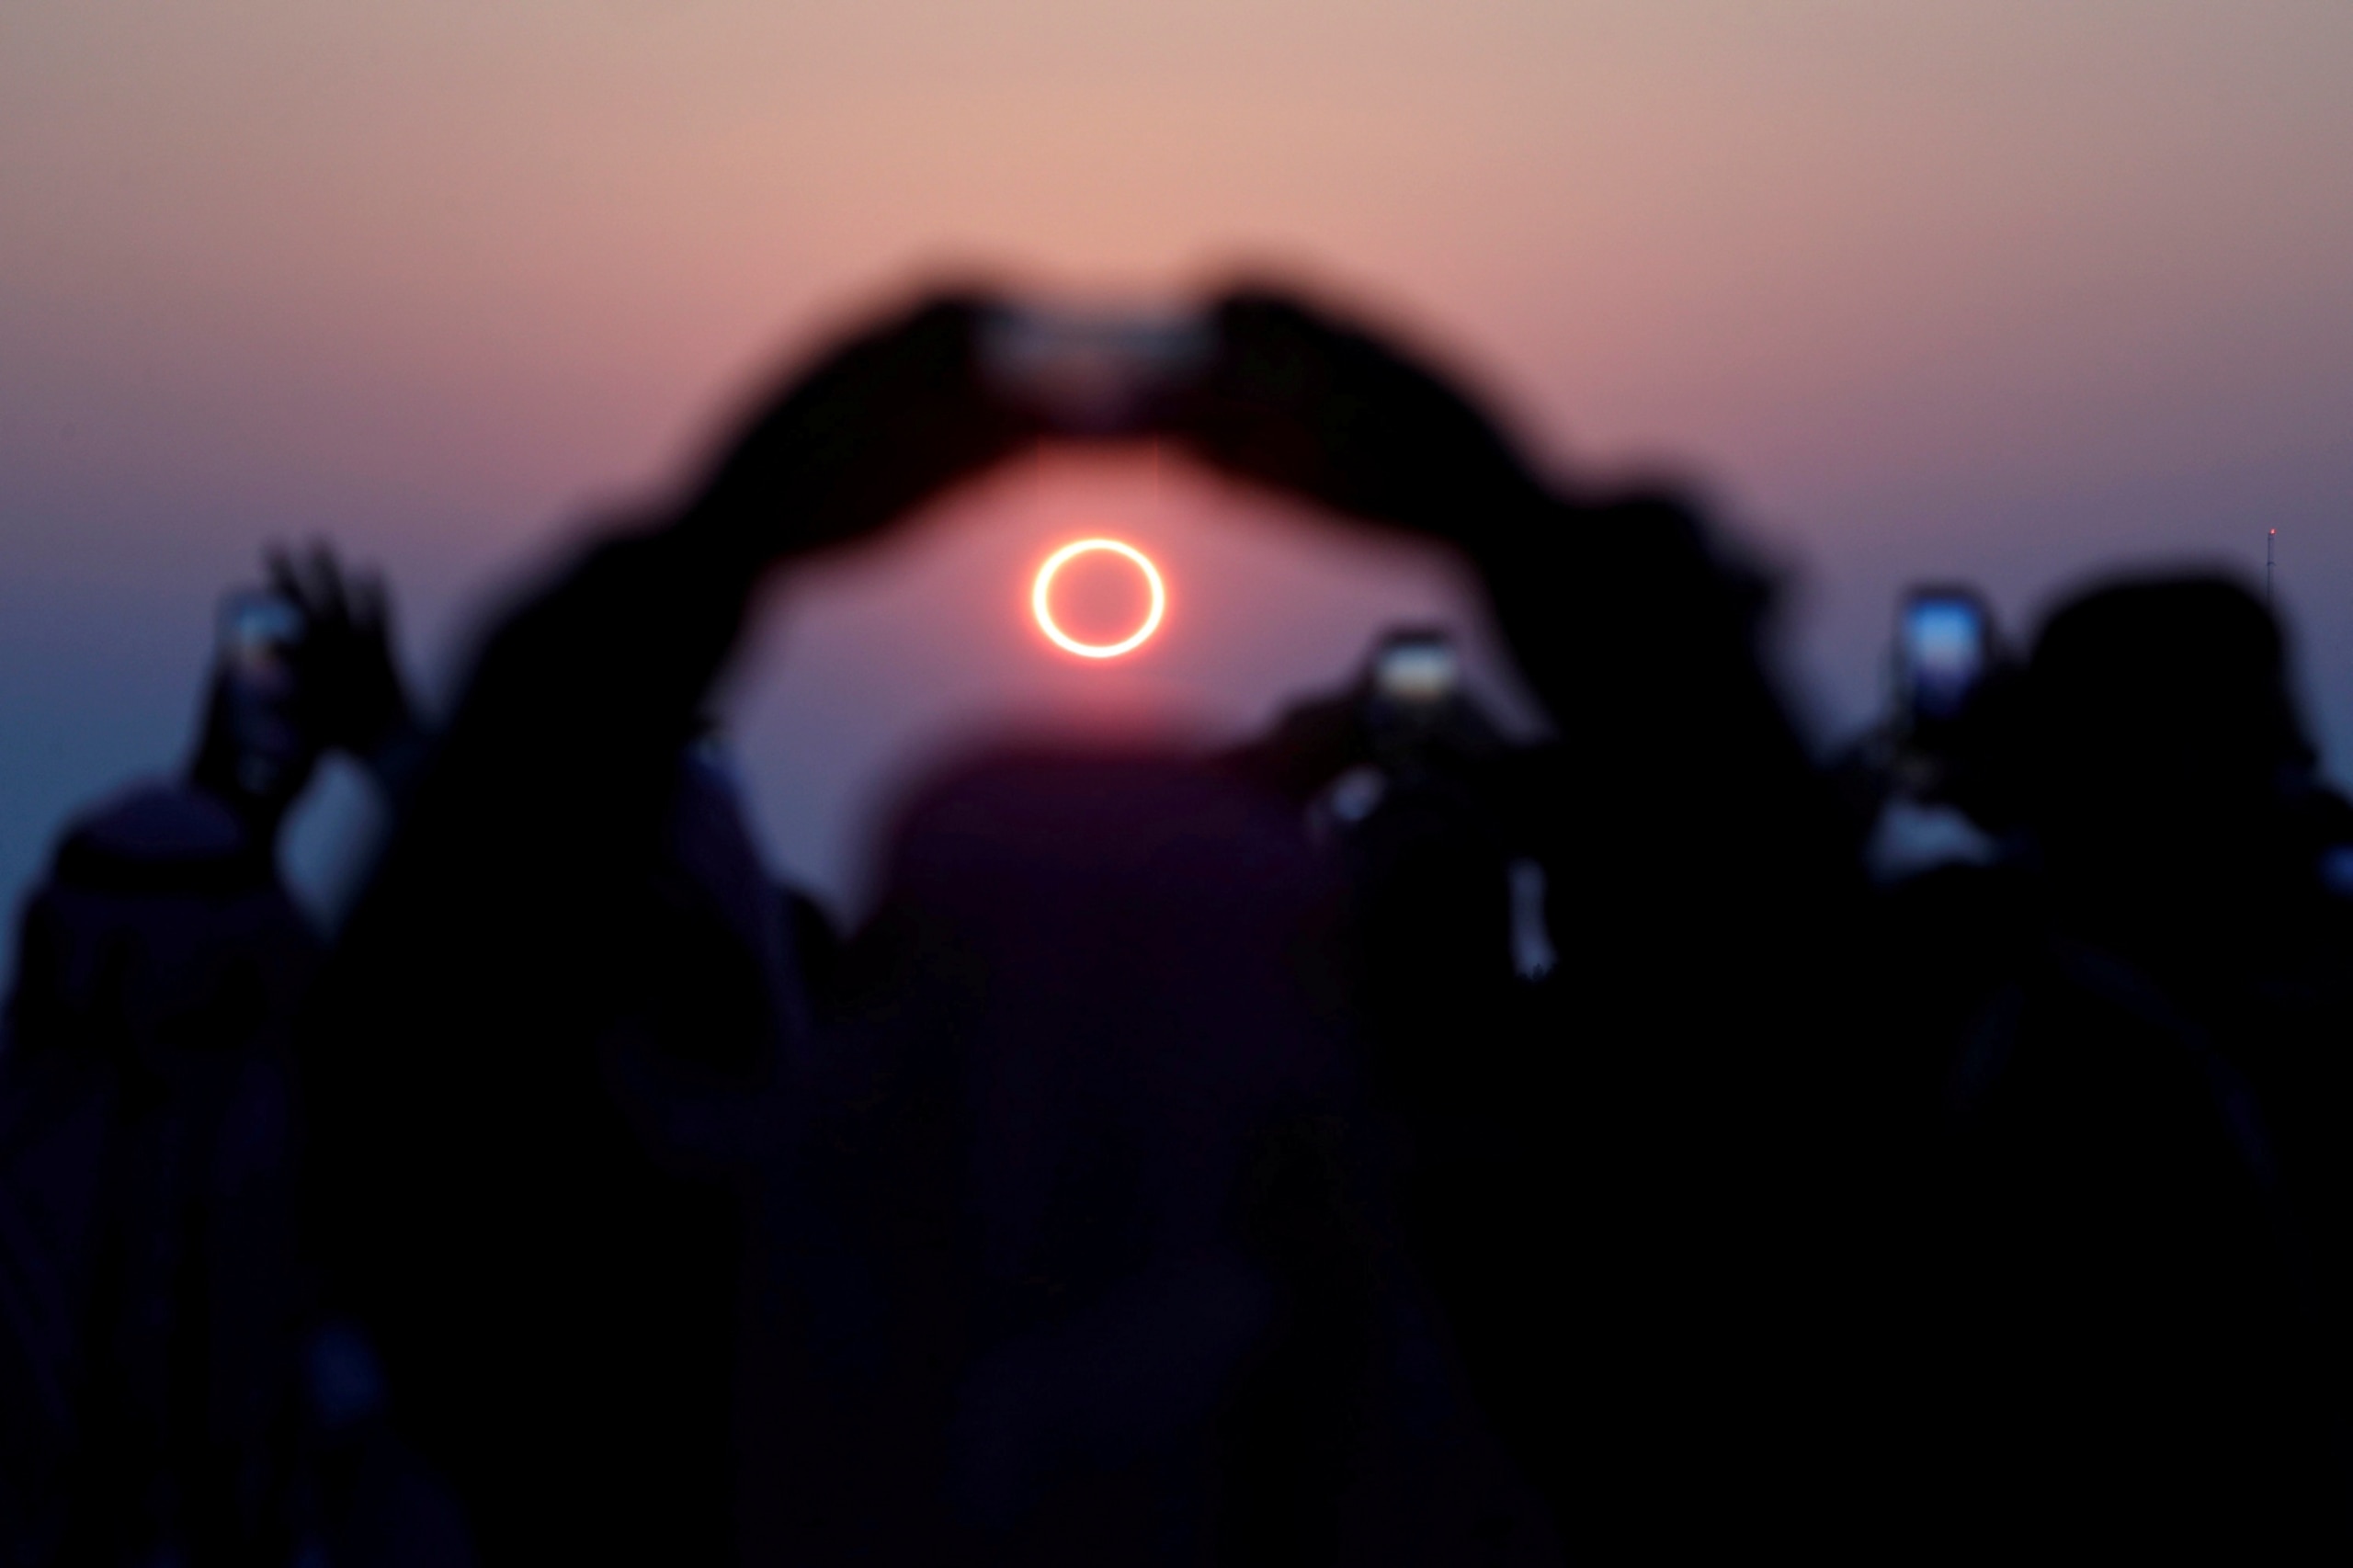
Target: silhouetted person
(151, 1309)
(557, 1289)
(1425, 810)
(567, 1307)
(1103, 1282)
(2140, 1258)
(1678, 1318)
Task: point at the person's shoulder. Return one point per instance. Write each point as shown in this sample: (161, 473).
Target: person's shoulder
(159, 819)
(158, 836)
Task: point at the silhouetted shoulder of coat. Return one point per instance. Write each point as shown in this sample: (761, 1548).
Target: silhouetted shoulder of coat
(147, 1286)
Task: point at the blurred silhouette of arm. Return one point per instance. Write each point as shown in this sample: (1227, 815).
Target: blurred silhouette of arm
(516, 868)
(1623, 617)
(1311, 744)
(550, 1292)
(563, 750)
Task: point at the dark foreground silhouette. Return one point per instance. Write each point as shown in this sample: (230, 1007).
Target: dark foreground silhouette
(1186, 1163)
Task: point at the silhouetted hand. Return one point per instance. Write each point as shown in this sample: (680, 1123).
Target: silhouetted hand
(1312, 744)
(879, 425)
(350, 696)
(1309, 404)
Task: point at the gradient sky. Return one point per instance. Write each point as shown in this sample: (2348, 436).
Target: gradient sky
(1988, 289)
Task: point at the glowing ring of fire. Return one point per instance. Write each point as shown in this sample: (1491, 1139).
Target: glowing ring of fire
(1061, 638)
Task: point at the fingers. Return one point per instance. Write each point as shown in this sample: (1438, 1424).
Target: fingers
(327, 584)
(885, 420)
(371, 605)
(1295, 398)
(312, 581)
(284, 578)
(1312, 403)
(344, 616)
(350, 693)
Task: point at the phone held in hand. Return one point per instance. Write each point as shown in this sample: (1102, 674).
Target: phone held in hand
(1094, 373)
(1944, 649)
(257, 634)
(1416, 669)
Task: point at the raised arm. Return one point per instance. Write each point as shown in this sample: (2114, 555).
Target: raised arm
(554, 1302)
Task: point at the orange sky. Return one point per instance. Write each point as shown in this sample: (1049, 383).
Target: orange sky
(1976, 288)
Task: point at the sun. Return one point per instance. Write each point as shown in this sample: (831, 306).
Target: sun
(1041, 593)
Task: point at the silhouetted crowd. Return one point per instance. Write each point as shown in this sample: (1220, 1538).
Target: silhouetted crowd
(1388, 1141)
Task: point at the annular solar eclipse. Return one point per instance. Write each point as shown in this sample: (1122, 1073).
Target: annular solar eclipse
(1041, 599)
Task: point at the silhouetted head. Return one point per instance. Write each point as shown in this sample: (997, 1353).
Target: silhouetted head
(2159, 736)
(1099, 979)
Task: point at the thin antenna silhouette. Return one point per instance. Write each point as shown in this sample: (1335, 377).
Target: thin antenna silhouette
(2269, 540)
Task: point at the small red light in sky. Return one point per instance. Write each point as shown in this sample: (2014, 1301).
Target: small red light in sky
(1041, 591)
